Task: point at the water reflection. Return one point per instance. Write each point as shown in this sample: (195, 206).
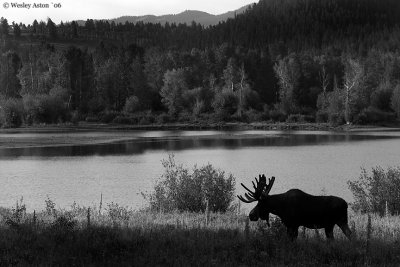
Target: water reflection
(179, 143)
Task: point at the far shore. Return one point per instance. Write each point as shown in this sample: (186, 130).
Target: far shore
(66, 134)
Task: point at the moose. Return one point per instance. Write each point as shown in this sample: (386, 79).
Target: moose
(296, 208)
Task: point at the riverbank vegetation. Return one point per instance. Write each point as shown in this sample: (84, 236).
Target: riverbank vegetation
(296, 61)
(90, 236)
(183, 225)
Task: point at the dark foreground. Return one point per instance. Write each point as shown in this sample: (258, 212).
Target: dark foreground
(125, 238)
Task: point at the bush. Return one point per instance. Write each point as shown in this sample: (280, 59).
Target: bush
(117, 213)
(252, 115)
(296, 118)
(45, 108)
(96, 105)
(374, 115)
(336, 119)
(131, 104)
(395, 100)
(380, 98)
(108, 116)
(180, 189)
(322, 116)
(225, 101)
(11, 113)
(124, 120)
(76, 117)
(373, 193)
(277, 115)
(163, 118)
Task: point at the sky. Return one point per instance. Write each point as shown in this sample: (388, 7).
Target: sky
(68, 10)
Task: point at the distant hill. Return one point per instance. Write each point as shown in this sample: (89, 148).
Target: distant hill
(186, 17)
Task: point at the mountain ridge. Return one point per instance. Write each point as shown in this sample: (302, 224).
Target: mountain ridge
(184, 17)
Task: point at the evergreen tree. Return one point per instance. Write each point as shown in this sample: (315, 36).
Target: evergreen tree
(4, 27)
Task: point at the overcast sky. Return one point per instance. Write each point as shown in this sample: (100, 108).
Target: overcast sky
(108, 9)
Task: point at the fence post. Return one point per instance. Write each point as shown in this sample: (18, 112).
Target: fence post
(101, 203)
(238, 214)
(88, 218)
(207, 212)
(34, 219)
(369, 232)
(247, 229)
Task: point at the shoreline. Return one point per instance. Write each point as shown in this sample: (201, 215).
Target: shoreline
(73, 135)
(234, 126)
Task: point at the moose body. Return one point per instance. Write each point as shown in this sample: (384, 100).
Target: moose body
(296, 208)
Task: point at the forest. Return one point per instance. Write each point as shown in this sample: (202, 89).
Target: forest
(332, 61)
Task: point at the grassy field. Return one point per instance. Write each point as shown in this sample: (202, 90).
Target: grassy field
(117, 236)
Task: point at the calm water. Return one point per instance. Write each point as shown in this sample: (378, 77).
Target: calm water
(316, 162)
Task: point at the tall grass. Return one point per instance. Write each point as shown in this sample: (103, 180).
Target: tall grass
(117, 235)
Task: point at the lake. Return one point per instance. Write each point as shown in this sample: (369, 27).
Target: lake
(316, 162)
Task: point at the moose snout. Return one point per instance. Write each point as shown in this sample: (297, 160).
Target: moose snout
(253, 215)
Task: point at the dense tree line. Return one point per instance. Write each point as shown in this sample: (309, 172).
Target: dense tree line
(293, 60)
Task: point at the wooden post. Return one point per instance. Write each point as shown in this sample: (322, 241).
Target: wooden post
(101, 203)
(247, 229)
(34, 219)
(369, 232)
(88, 218)
(238, 214)
(207, 212)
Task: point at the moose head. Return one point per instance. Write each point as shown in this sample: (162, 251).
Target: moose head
(260, 194)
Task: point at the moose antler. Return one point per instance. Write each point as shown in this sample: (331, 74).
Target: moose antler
(258, 190)
(269, 186)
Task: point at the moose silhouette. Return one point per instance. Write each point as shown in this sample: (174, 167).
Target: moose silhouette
(296, 208)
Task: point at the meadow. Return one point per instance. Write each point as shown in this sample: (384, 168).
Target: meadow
(105, 236)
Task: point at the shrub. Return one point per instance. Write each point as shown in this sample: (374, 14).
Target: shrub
(76, 117)
(225, 101)
(373, 193)
(252, 115)
(180, 189)
(124, 120)
(321, 116)
(50, 109)
(336, 118)
(395, 100)
(96, 105)
(163, 118)
(277, 115)
(296, 118)
(17, 214)
(185, 116)
(117, 214)
(92, 118)
(374, 115)
(11, 113)
(380, 98)
(45, 108)
(108, 116)
(131, 104)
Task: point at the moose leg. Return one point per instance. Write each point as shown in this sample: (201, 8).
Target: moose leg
(329, 232)
(292, 232)
(346, 230)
